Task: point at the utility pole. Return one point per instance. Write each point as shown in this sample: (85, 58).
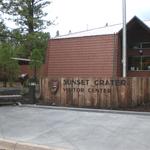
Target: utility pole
(124, 40)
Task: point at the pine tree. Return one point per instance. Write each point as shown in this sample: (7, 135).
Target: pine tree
(27, 40)
(28, 14)
(9, 68)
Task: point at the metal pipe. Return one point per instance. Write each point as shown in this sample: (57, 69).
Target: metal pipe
(124, 40)
(114, 72)
(141, 68)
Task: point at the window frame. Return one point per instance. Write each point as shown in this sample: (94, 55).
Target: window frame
(135, 68)
(140, 45)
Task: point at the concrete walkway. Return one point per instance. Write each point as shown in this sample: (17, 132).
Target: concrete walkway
(75, 130)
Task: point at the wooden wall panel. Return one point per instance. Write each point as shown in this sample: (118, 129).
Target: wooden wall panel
(97, 92)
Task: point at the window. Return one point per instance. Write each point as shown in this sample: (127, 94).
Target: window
(137, 63)
(141, 45)
(145, 45)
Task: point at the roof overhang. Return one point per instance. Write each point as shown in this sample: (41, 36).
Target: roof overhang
(135, 20)
(21, 59)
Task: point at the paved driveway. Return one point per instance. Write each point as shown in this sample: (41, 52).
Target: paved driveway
(75, 130)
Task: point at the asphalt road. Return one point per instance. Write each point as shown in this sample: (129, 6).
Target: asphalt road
(75, 130)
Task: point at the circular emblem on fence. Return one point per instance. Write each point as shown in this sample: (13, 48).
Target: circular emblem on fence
(54, 86)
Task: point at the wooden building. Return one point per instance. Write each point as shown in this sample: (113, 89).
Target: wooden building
(84, 69)
(98, 52)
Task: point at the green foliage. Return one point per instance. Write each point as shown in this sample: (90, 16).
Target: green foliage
(28, 40)
(25, 44)
(4, 32)
(9, 68)
(36, 59)
(36, 40)
(28, 14)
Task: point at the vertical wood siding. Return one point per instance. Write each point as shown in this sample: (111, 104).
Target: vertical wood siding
(135, 91)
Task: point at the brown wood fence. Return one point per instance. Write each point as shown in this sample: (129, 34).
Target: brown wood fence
(96, 92)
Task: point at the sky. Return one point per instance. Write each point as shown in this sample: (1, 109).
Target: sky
(78, 15)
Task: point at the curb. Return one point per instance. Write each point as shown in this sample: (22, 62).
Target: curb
(14, 145)
(88, 110)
